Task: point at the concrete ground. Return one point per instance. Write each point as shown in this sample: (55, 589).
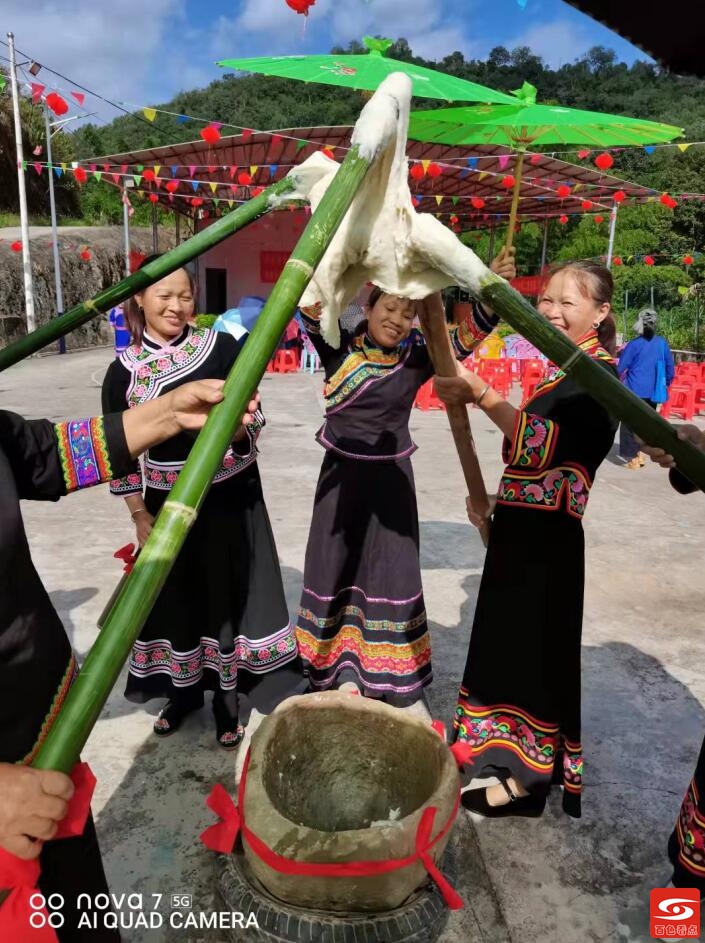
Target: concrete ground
(549, 880)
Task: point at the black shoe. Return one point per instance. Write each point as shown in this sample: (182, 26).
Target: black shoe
(475, 800)
(228, 731)
(171, 716)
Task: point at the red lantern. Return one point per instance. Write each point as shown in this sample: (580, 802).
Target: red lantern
(153, 198)
(599, 220)
(508, 182)
(85, 255)
(244, 179)
(434, 170)
(604, 161)
(563, 191)
(477, 202)
(210, 134)
(196, 201)
(149, 175)
(668, 201)
(616, 260)
(586, 205)
(172, 186)
(648, 260)
(454, 219)
(620, 196)
(255, 191)
(417, 172)
(301, 6)
(80, 175)
(57, 104)
(16, 246)
(583, 154)
(563, 220)
(688, 260)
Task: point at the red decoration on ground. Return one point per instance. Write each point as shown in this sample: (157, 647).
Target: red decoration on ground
(604, 161)
(300, 6)
(620, 196)
(417, 171)
(16, 246)
(80, 175)
(508, 182)
(648, 260)
(434, 170)
(563, 191)
(57, 104)
(85, 255)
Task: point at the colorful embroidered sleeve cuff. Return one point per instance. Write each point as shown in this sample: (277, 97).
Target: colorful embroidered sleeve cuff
(84, 452)
(533, 442)
(467, 335)
(311, 318)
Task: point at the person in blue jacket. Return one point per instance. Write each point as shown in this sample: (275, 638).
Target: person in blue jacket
(646, 368)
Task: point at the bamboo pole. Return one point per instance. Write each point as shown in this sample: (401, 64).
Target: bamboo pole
(518, 173)
(594, 379)
(445, 365)
(89, 692)
(146, 275)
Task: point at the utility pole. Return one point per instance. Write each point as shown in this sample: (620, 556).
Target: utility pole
(24, 225)
(54, 231)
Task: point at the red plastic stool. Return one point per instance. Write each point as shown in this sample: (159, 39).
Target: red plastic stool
(426, 398)
(286, 361)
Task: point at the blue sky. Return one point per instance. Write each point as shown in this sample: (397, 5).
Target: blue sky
(142, 52)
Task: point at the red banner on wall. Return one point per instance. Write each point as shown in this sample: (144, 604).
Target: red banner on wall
(271, 265)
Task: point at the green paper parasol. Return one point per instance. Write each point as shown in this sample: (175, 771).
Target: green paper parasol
(367, 71)
(525, 124)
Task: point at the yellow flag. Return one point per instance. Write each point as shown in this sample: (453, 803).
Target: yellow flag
(230, 204)
(483, 174)
(213, 186)
(157, 168)
(63, 166)
(578, 186)
(683, 148)
(439, 199)
(149, 113)
(253, 169)
(425, 164)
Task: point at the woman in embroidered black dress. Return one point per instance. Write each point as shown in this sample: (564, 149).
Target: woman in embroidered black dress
(686, 846)
(519, 704)
(221, 621)
(362, 615)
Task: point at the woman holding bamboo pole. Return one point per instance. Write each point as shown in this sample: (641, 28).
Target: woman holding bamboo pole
(362, 616)
(44, 461)
(221, 622)
(519, 703)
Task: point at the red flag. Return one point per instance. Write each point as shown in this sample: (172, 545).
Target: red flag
(37, 91)
(79, 96)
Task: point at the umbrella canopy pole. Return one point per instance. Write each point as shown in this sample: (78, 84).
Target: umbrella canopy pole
(145, 276)
(515, 200)
(102, 666)
(444, 364)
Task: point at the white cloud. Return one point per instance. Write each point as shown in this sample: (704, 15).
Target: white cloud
(557, 43)
(112, 51)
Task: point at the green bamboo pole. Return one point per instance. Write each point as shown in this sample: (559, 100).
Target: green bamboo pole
(606, 389)
(90, 691)
(147, 275)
